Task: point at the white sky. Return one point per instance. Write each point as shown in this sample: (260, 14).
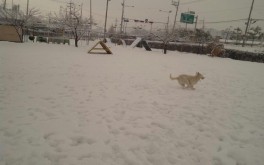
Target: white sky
(207, 10)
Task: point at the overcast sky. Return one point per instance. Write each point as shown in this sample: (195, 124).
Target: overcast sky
(213, 12)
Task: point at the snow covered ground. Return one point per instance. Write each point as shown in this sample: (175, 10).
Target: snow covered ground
(62, 106)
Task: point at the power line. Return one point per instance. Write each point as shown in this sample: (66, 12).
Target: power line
(224, 10)
(194, 1)
(226, 21)
(234, 20)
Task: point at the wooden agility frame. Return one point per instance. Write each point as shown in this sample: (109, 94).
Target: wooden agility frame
(95, 50)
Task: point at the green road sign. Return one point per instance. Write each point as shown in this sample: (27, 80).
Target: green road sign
(187, 18)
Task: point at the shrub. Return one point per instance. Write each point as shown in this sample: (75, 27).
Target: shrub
(31, 38)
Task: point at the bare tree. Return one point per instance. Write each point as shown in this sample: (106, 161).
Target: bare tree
(73, 22)
(18, 19)
(227, 32)
(111, 31)
(165, 38)
(199, 36)
(254, 32)
(238, 32)
(202, 36)
(261, 38)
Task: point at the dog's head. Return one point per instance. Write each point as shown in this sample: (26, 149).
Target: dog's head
(200, 75)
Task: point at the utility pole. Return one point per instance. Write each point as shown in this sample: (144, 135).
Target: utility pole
(176, 4)
(81, 10)
(227, 33)
(106, 11)
(4, 6)
(49, 23)
(115, 25)
(91, 18)
(27, 6)
(203, 24)
(122, 16)
(91, 24)
(249, 18)
(196, 20)
(168, 20)
(150, 31)
(70, 12)
(12, 6)
(60, 10)
(71, 5)
(66, 13)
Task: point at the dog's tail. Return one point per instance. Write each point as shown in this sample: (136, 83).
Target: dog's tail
(173, 78)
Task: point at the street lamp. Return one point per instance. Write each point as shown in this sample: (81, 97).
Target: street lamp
(106, 19)
(167, 28)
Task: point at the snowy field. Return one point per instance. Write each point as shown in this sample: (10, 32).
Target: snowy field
(62, 106)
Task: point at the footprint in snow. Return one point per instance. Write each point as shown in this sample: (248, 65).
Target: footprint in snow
(79, 140)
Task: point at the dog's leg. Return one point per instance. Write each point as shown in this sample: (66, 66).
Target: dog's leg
(190, 85)
(181, 84)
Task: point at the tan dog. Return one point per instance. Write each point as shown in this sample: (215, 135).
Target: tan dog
(187, 81)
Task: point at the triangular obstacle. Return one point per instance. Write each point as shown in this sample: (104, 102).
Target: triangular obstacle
(139, 42)
(95, 50)
(123, 42)
(136, 42)
(145, 44)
